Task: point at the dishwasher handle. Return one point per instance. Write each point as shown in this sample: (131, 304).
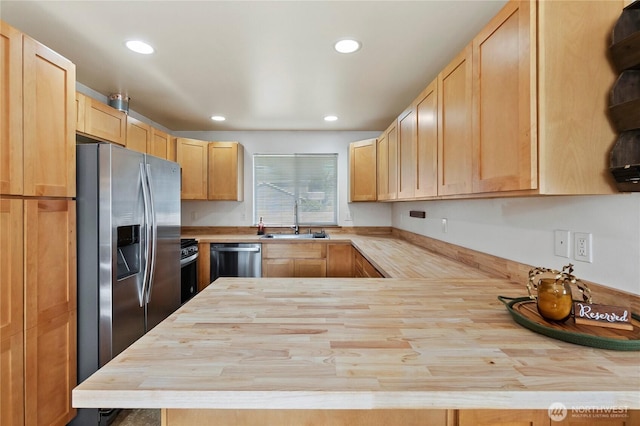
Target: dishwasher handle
(237, 249)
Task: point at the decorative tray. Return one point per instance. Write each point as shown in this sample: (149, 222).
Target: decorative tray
(524, 312)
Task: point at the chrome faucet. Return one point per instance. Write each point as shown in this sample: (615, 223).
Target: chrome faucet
(296, 228)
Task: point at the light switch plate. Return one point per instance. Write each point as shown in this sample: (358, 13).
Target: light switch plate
(562, 245)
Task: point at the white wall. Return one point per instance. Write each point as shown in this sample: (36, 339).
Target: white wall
(521, 229)
(228, 213)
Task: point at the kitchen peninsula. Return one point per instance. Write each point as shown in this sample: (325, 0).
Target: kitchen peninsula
(344, 350)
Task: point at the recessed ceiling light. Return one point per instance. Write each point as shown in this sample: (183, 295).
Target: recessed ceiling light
(330, 118)
(347, 46)
(140, 47)
(217, 118)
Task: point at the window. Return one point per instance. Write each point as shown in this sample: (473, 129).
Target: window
(279, 180)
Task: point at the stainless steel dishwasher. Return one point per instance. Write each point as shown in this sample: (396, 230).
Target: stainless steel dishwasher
(236, 260)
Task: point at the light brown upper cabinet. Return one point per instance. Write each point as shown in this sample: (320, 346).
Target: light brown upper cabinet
(541, 82)
(504, 137)
(101, 121)
(37, 117)
(192, 155)
(211, 170)
(11, 140)
(159, 143)
(426, 107)
(362, 171)
(226, 171)
(138, 135)
(387, 163)
(49, 122)
(407, 164)
(454, 126)
(574, 82)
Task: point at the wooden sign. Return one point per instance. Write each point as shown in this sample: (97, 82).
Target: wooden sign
(602, 315)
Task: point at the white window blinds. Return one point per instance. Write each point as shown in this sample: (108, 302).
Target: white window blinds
(282, 179)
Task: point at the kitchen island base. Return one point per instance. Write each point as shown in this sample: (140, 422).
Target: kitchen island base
(181, 417)
(184, 417)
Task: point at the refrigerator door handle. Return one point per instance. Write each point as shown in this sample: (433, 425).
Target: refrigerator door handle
(154, 235)
(147, 236)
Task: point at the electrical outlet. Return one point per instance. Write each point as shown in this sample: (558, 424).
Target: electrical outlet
(348, 217)
(562, 243)
(583, 247)
(445, 225)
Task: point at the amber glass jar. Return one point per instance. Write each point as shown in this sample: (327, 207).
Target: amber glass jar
(554, 299)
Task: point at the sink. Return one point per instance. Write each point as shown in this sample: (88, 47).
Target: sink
(296, 236)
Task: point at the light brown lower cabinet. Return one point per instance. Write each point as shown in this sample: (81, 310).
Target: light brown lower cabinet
(179, 417)
(11, 312)
(503, 418)
(307, 268)
(340, 260)
(294, 260)
(362, 268)
(306, 417)
(12, 380)
(37, 311)
(50, 310)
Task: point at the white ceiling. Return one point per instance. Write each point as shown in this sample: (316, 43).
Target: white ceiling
(265, 65)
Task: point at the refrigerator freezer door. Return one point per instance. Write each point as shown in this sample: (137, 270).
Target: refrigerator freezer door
(164, 289)
(121, 300)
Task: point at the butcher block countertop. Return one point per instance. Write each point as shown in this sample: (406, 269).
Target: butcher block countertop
(392, 257)
(355, 343)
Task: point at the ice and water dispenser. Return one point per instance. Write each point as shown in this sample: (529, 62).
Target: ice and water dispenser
(128, 251)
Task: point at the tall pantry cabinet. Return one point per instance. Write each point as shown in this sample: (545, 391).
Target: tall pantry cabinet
(37, 232)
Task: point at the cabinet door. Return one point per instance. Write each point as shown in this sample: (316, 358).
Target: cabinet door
(11, 313)
(407, 163)
(11, 267)
(159, 143)
(454, 126)
(382, 164)
(387, 164)
(50, 310)
(171, 151)
(81, 105)
(49, 122)
(392, 142)
(339, 260)
(50, 371)
(104, 122)
(50, 258)
(138, 135)
(427, 142)
(226, 170)
(282, 268)
(12, 380)
(504, 129)
(10, 110)
(310, 268)
(192, 156)
(503, 418)
(362, 171)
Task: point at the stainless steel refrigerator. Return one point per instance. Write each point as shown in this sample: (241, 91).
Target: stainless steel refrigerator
(128, 213)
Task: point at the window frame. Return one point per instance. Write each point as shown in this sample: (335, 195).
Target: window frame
(333, 156)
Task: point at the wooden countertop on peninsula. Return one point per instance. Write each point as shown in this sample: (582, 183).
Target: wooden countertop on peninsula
(247, 343)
